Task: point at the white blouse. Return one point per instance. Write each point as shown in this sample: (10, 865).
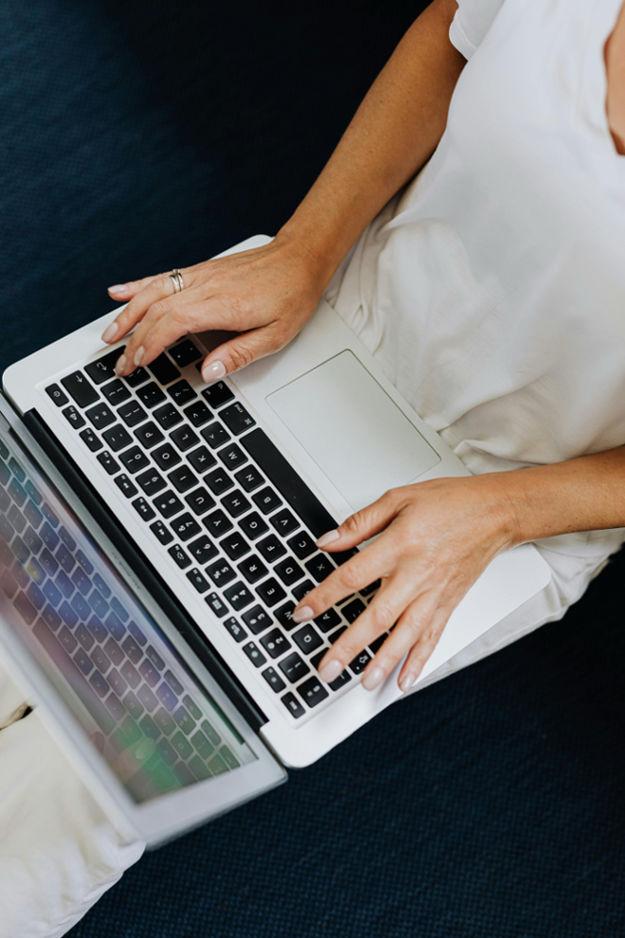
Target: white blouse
(492, 289)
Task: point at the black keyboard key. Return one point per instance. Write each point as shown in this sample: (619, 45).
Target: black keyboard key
(201, 459)
(103, 368)
(284, 522)
(181, 393)
(238, 596)
(100, 415)
(236, 418)
(215, 435)
(328, 620)
(198, 413)
(300, 589)
(162, 534)
(184, 438)
(253, 525)
(202, 549)
(284, 615)
(232, 456)
(360, 662)
(307, 639)
(252, 569)
(184, 720)
(217, 523)
(320, 566)
(115, 392)
(267, 500)
(197, 580)
(158, 662)
(293, 705)
(275, 643)
(293, 667)
(99, 683)
(150, 395)
(199, 501)
(312, 692)
(117, 437)
(254, 653)
(57, 395)
(180, 557)
(302, 545)
(220, 573)
(217, 394)
(167, 416)
(235, 503)
(377, 643)
(353, 609)
(185, 526)
(371, 588)
(149, 673)
(90, 439)
(273, 679)
(340, 681)
(183, 479)
(168, 504)
(286, 480)
(235, 628)
(167, 697)
(132, 414)
(271, 592)
(216, 605)
(271, 548)
(184, 353)
(73, 417)
(136, 377)
(25, 608)
(151, 482)
(80, 389)
(218, 481)
(165, 456)
(289, 571)
(108, 463)
(235, 546)
(134, 459)
(249, 478)
(163, 369)
(143, 508)
(257, 619)
(149, 434)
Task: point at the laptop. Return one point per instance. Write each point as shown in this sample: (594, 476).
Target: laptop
(155, 534)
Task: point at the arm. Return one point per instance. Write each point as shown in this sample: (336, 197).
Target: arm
(269, 293)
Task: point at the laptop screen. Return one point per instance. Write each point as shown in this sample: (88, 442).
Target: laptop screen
(114, 667)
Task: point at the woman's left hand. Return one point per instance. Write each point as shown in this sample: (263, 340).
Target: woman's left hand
(435, 539)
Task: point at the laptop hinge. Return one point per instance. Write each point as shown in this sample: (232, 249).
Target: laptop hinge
(145, 571)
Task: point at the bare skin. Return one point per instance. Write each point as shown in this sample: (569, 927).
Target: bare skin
(433, 538)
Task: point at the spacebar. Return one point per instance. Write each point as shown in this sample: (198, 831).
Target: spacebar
(292, 488)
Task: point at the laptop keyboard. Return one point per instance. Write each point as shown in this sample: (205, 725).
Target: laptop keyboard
(129, 681)
(227, 508)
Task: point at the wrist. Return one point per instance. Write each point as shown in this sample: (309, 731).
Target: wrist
(318, 253)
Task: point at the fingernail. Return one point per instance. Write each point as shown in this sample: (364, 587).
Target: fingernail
(139, 356)
(372, 678)
(121, 364)
(118, 288)
(327, 538)
(300, 615)
(213, 372)
(331, 670)
(110, 332)
(408, 681)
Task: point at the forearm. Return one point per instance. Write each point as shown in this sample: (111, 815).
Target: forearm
(394, 131)
(582, 494)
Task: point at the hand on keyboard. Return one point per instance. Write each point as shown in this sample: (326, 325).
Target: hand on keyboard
(435, 539)
(267, 294)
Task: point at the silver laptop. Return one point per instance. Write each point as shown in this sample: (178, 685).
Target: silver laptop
(155, 534)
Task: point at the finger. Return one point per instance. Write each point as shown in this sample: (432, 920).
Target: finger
(165, 321)
(363, 568)
(124, 291)
(154, 290)
(415, 621)
(240, 351)
(380, 615)
(362, 524)
(422, 649)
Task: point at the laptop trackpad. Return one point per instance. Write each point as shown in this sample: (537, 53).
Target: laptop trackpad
(352, 429)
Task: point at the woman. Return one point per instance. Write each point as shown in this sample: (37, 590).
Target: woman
(491, 289)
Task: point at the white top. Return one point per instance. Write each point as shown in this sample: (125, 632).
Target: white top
(492, 290)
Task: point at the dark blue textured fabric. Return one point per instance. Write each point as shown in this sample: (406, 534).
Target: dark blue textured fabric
(140, 136)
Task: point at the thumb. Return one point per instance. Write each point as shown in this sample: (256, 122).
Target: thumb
(238, 352)
(361, 525)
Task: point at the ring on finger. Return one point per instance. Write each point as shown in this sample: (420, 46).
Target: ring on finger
(177, 282)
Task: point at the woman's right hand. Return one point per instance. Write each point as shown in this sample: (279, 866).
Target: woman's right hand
(266, 295)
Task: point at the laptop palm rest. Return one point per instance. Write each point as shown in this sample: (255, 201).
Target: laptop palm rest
(352, 429)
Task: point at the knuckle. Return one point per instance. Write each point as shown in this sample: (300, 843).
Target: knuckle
(158, 308)
(349, 576)
(352, 524)
(381, 615)
(240, 356)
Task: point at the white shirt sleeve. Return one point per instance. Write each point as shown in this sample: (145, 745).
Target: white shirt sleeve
(471, 22)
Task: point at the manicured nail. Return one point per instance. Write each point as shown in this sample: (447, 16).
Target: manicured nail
(119, 288)
(372, 678)
(331, 670)
(110, 332)
(302, 614)
(408, 681)
(213, 372)
(121, 364)
(139, 356)
(327, 538)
